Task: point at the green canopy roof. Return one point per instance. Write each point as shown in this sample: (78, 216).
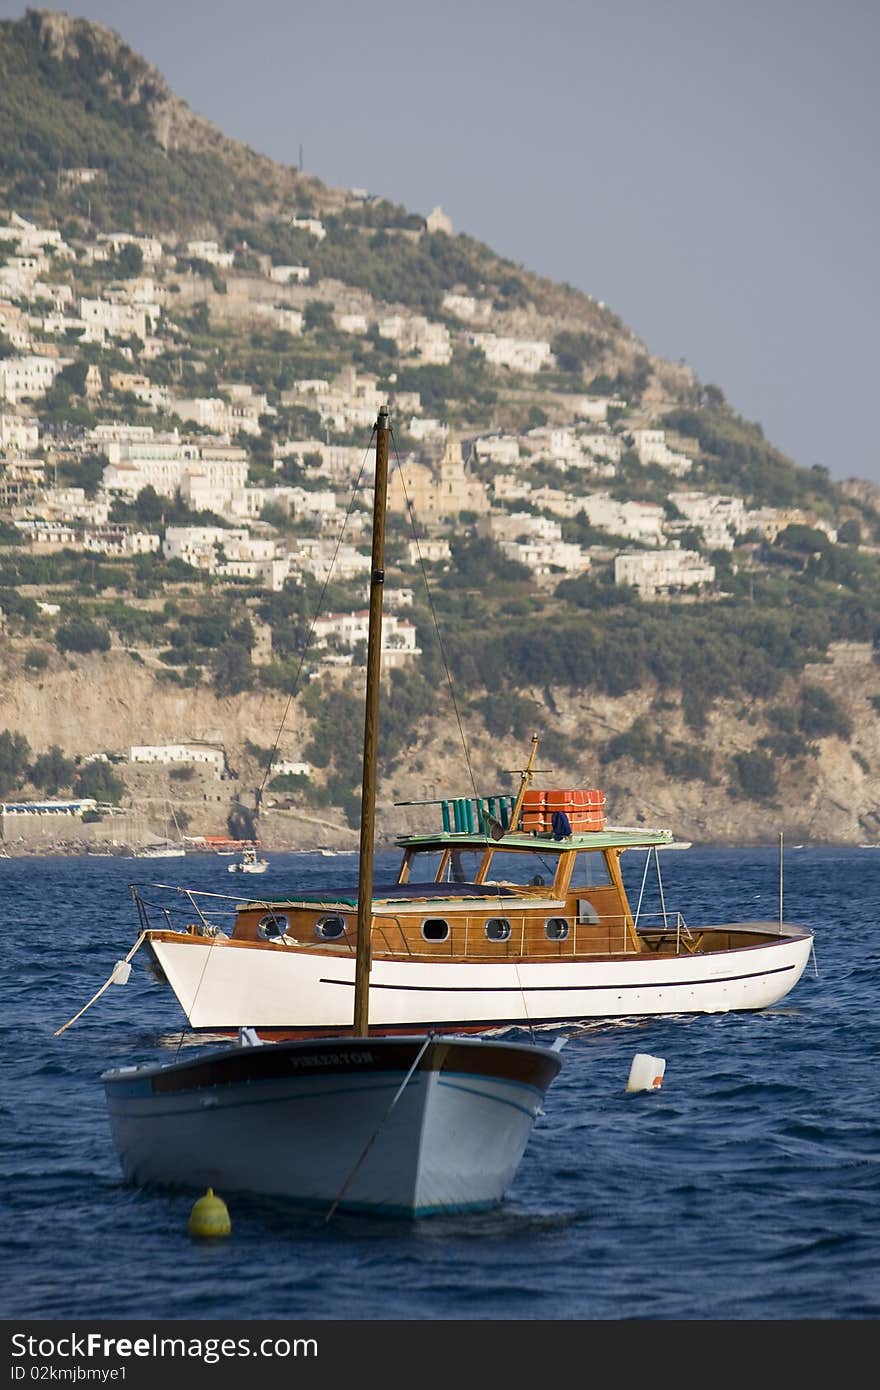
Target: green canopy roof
(628, 837)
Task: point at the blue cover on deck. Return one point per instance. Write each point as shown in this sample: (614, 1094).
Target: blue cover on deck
(441, 890)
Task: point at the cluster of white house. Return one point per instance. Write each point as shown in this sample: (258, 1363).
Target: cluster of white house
(212, 476)
(488, 483)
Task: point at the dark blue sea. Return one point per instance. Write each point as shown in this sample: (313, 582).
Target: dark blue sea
(747, 1187)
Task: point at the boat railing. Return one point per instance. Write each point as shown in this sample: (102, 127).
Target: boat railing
(175, 909)
(380, 934)
(658, 927)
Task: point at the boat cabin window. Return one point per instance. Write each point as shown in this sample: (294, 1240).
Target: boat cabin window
(590, 870)
(463, 866)
(420, 866)
(556, 929)
(497, 929)
(435, 929)
(272, 926)
(526, 868)
(331, 927)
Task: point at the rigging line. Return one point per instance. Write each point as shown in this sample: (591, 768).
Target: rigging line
(212, 937)
(429, 1038)
(412, 519)
(318, 610)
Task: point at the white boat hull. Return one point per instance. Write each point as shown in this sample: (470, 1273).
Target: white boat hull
(221, 985)
(270, 1120)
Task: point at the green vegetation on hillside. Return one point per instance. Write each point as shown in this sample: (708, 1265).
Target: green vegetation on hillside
(88, 114)
(709, 651)
(738, 457)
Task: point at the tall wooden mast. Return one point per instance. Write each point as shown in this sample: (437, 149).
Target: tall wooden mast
(371, 737)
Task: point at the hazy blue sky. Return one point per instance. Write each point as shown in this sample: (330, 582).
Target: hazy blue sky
(707, 168)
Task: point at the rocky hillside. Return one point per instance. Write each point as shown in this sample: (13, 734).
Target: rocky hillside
(99, 701)
(730, 713)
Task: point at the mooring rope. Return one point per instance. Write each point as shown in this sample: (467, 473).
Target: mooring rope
(429, 1037)
(106, 985)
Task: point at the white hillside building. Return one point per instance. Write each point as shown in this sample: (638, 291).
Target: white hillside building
(651, 447)
(520, 354)
(719, 518)
(165, 753)
(24, 377)
(546, 557)
(349, 629)
(654, 572)
(210, 251)
(19, 433)
(166, 465)
(498, 448)
(635, 521)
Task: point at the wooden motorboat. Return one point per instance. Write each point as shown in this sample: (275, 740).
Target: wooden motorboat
(491, 920)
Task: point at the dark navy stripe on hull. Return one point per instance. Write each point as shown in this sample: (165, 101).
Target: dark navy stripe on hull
(567, 989)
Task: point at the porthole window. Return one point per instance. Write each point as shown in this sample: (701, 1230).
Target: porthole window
(272, 926)
(330, 928)
(556, 929)
(435, 929)
(497, 929)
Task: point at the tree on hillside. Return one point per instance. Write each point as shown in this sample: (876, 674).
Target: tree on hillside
(233, 672)
(574, 350)
(14, 754)
(478, 561)
(130, 259)
(753, 775)
(51, 771)
(98, 779)
(820, 715)
(149, 507)
(81, 635)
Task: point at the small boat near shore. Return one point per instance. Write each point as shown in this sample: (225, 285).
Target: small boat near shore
(164, 849)
(249, 862)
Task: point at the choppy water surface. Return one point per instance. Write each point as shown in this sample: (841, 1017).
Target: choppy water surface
(747, 1187)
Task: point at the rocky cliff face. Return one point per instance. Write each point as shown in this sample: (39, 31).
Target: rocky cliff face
(107, 703)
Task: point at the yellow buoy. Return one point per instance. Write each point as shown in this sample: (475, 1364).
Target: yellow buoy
(209, 1216)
